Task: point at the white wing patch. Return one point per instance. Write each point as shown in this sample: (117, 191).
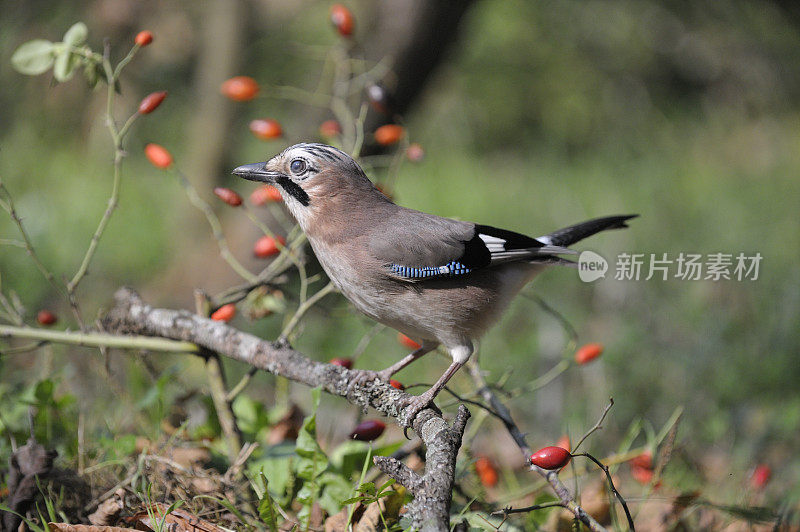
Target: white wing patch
(493, 244)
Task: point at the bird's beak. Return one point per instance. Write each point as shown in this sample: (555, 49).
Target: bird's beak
(256, 172)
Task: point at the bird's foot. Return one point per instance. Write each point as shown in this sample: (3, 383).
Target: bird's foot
(362, 377)
(413, 406)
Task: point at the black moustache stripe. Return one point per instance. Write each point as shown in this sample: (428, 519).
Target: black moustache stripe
(293, 189)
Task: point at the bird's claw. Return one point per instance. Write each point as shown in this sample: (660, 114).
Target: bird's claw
(412, 407)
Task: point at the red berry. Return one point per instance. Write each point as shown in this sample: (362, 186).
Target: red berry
(408, 342)
(45, 317)
(143, 38)
(151, 102)
(550, 458)
(228, 196)
(368, 430)
(760, 476)
(397, 384)
(588, 352)
(342, 20)
(487, 472)
(346, 363)
(388, 134)
(265, 194)
(644, 460)
(267, 246)
(158, 156)
(415, 153)
(266, 128)
(224, 313)
(642, 475)
(240, 88)
(329, 129)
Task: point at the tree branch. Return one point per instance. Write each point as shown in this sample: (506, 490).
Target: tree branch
(430, 509)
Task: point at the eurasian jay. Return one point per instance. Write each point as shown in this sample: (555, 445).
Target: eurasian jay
(436, 280)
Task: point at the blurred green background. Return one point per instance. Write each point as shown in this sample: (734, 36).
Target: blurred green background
(541, 114)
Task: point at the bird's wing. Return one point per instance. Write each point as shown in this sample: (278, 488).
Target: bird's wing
(414, 246)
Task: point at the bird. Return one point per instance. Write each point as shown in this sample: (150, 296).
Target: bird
(439, 281)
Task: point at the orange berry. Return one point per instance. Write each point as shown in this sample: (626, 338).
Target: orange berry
(346, 363)
(151, 102)
(240, 88)
(228, 196)
(158, 155)
(415, 153)
(224, 313)
(266, 128)
(143, 38)
(329, 129)
(408, 342)
(550, 458)
(265, 194)
(388, 134)
(760, 476)
(266, 246)
(45, 317)
(342, 20)
(397, 384)
(487, 472)
(368, 430)
(587, 353)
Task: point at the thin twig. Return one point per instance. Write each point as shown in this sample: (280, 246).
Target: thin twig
(612, 487)
(510, 510)
(305, 307)
(99, 339)
(216, 229)
(597, 426)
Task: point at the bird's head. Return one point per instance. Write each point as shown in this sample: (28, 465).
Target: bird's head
(314, 180)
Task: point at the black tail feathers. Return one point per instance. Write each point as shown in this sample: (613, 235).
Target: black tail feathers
(569, 235)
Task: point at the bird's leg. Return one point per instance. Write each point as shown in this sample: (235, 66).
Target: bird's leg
(364, 376)
(418, 403)
(424, 349)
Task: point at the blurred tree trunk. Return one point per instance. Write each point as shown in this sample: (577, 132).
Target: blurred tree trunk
(418, 34)
(223, 27)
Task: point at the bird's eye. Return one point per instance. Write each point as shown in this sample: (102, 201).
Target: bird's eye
(298, 166)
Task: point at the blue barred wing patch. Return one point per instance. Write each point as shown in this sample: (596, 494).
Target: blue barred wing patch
(451, 269)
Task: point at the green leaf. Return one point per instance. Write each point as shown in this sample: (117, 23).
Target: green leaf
(76, 35)
(352, 500)
(367, 488)
(334, 489)
(65, 64)
(312, 460)
(66, 61)
(266, 508)
(34, 57)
